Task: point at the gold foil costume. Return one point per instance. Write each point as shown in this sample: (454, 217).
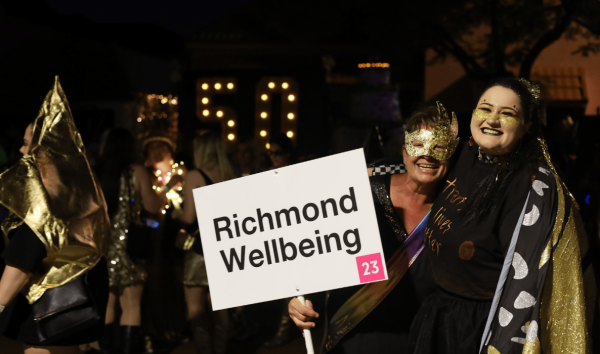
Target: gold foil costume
(568, 302)
(122, 271)
(444, 133)
(53, 191)
(561, 318)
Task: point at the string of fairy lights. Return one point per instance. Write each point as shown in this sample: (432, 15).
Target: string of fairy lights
(163, 178)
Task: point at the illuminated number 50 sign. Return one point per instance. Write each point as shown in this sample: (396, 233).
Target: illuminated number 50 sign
(266, 87)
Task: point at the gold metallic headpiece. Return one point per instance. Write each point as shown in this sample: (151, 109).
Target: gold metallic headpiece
(445, 134)
(532, 87)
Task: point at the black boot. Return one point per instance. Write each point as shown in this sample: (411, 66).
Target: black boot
(132, 341)
(107, 342)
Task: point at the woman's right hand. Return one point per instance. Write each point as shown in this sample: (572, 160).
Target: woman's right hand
(302, 315)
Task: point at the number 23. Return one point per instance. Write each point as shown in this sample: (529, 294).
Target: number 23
(375, 267)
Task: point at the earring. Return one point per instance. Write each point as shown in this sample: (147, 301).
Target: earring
(471, 141)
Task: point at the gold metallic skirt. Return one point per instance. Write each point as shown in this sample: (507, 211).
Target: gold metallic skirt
(194, 270)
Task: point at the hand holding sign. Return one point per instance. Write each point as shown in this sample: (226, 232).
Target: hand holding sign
(302, 315)
(301, 229)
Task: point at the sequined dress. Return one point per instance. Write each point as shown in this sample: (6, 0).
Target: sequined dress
(194, 267)
(122, 270)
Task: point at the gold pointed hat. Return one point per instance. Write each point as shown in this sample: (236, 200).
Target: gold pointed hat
(445, 134)
(52, 189)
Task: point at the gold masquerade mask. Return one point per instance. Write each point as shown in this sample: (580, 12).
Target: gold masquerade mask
(444, 133)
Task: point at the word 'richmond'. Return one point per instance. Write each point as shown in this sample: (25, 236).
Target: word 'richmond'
(310, 212)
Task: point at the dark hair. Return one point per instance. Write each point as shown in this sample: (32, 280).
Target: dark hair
(286, 145)
(492, 188)
(428, 116)
(117, 157)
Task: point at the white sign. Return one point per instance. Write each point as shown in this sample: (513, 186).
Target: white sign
(297, 230)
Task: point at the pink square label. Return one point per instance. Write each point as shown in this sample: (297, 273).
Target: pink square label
(370, 268)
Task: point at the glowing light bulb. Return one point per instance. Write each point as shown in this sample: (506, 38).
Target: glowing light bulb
(205, 86)
(230, 85)
(231, 123)
(205, 112)
(263, 115)
(164, 211)
(205, 100)
(158, 189)
(181, 163)
(179, 172)
(291, 97)
(154, 187)
(139, 119)
(290, 116)
(230, 136)
(285, 85)
(290, 134)
(217, 86)
(164, 100)
(160, 178)
(268, 146)
(271, 85)
(173, 101)
(263, 133)
(179, 189)
(264, 97)
(158, 172)
(219, 114)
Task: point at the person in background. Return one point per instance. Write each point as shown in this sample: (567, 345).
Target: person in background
(127, 190)
(246, 154)
(281, 151)
(163, 302)
(58, 229)
(211, 166)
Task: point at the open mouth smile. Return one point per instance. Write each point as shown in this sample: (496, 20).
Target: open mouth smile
(490, 131)
(428, 167)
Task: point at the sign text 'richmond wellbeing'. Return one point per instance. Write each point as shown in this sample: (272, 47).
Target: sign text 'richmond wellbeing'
(297, 230)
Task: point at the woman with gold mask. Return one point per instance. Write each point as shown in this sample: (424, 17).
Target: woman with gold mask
(505, 243)
(53, 291)
(376, 318)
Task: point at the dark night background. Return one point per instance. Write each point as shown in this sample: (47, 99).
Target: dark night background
(111, 54)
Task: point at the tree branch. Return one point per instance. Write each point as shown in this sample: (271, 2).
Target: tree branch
(468, 62)
(587, 26)
(497, 49)
(549, 38)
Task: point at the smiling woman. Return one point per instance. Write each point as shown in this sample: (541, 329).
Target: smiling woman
(376, 318)
(504, 242)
